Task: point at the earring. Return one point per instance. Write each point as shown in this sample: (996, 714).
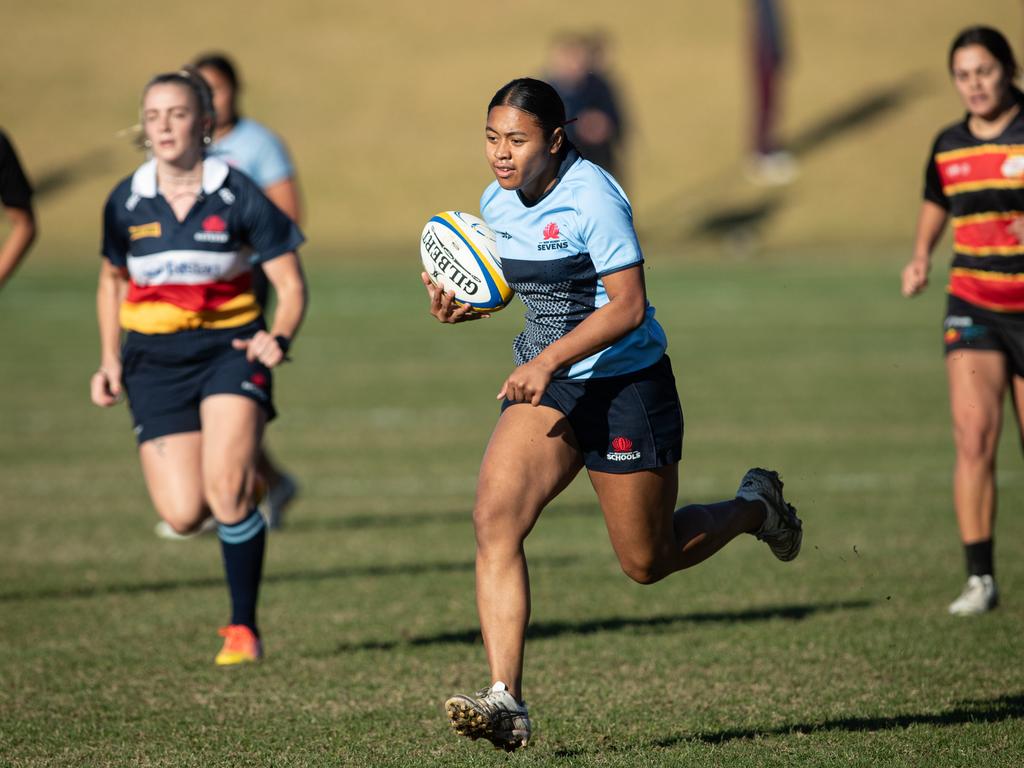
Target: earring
(147, 143)
(207, 139)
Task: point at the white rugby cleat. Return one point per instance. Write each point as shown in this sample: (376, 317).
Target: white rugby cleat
(277, 499)
(980, 595)
(492, 714)
(164, 530)
(782, 530)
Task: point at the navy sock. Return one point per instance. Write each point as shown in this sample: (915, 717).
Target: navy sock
(979, 558)
(242, 545)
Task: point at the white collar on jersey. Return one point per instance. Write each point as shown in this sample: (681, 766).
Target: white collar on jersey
(215, 172)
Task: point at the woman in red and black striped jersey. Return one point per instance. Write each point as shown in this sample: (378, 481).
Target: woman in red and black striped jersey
(975, 176)
(180, 238)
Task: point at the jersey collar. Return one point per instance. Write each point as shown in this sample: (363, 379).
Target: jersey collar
(215, 173)
(567, 162)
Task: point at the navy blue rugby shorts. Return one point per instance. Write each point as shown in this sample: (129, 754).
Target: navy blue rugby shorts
(167, 375)
(968, 326)
(622, 423)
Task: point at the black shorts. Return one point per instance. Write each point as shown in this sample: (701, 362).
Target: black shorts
(968, 326)
(622, 423)
(167, 375)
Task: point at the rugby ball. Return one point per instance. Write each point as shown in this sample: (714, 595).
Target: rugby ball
(459, 254)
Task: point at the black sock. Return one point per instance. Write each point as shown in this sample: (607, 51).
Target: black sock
(979, 558)
(242, 545)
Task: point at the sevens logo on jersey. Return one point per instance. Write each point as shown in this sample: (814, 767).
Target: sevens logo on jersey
(552, 238)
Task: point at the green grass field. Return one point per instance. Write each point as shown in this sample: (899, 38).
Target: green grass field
(807, 362)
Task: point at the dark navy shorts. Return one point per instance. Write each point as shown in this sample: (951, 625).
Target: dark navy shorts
(622, 423)
(968, 326)
(167, 375)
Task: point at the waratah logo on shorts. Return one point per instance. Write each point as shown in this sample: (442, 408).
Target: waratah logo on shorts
(622, 450)
(551, 232)
(215, 230)
(256, 385)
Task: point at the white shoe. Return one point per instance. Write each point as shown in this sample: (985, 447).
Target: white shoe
(164, 530)
(980, 595)
(772, 169)
(493, 714)
(276, 500)
(782, 529)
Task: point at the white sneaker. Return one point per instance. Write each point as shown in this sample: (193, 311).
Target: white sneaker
(276, 500)
(782, 529)
(980, 595)
(493, 714)
(164, 530)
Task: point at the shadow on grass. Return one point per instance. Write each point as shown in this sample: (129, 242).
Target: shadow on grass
(547, 629)
(997, 710)
(434, 517)
(171, 585)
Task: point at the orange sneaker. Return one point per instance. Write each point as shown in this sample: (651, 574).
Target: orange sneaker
(241, 646)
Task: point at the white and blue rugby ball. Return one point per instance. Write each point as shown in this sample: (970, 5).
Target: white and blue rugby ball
(460, 254)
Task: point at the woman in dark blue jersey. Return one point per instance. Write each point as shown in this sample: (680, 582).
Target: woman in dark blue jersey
(182, 334)
(592, 388)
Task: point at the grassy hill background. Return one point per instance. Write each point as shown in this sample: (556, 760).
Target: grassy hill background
(382, 104)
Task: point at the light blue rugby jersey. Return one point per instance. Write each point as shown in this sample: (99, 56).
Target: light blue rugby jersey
(253, 149)
(554, 253)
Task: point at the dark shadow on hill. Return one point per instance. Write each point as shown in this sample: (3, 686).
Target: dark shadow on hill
(997, 710)
(709, 208)
(352, 522)
(171, 585)
(96, 162)
(548, 629)
(858, 114)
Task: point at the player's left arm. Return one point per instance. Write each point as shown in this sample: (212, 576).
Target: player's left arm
(624, 312)
(271, 347)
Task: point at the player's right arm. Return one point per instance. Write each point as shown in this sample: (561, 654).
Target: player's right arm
(105, 386)
(930, 223)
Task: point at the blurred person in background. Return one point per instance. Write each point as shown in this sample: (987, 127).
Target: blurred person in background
(259, 153)
(975, 176)
(180, 236)
(16, 197)
(770, 164)
(576, 68)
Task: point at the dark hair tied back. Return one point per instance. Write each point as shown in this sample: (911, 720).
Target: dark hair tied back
(992, 40)
(221, 63)
(536, 98)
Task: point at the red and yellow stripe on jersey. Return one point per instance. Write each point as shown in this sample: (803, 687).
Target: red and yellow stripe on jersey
(195, 272)
(981, 184)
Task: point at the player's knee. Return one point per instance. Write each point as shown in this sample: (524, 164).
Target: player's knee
(186, 522)
(226, 492)
(642, 569)
(975, 443)
(493, 528)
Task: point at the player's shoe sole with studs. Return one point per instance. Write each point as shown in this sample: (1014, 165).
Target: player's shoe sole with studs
(492, 714)
(782, 530)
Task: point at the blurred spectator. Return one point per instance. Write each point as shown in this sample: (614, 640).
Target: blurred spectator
(16, 196)
(769, 163)
(577, 69)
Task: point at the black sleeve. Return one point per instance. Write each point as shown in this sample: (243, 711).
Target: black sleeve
(932, 183)
(15, 191)
(115, 242)
(265, 226)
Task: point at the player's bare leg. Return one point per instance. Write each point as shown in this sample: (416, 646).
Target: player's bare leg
(977, 387)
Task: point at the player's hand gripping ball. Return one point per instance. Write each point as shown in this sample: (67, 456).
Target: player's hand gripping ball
(460, 254)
